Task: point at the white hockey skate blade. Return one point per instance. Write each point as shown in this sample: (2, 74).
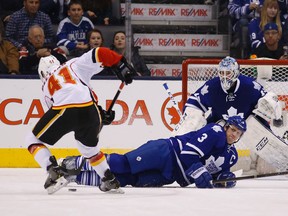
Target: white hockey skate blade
(60, 183)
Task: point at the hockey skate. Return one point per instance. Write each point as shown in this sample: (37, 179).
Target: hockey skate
(110, 184)
(68, 167)
(55, 180)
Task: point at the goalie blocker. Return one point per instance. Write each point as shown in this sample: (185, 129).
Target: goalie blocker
(270, 109)
(263, 142)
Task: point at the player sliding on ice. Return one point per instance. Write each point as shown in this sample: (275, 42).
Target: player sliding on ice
(73, 107)
(195, 157)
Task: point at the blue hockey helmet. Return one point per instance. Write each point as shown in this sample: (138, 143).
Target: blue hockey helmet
(238, 122)
(228, 72)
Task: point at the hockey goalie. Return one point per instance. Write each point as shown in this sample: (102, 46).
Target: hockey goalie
(231, 93)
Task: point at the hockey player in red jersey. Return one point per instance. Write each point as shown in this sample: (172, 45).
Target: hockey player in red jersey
(73, 107)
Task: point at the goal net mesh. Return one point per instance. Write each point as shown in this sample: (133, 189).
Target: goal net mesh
(272, 74)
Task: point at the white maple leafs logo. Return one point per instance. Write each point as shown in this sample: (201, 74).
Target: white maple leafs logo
(204, 90)
(232, 112)
(217, 128)
(214, 166)
(257, 86)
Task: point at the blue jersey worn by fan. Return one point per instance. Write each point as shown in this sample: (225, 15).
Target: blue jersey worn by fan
(195, 157)
(73, 29)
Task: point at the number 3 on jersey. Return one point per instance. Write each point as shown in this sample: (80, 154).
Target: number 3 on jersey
(202, 138)
(54, 83)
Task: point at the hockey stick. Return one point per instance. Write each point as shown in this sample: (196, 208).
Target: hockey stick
(116, 96)
(250, 177)
(175, 105)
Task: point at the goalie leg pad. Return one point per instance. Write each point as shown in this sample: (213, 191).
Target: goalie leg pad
(266, 144)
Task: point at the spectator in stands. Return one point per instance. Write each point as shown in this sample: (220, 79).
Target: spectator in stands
(119, 45)
(51, 7)
(20, 21)
(95, 38)
(73, 29)
(99, 12)
(273, 47)
(270, 12)
(241, 13)
(8, 55)
(34, 49)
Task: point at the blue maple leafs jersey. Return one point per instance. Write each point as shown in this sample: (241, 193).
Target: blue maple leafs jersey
(240, 102)
(69, 34)
(208, 146)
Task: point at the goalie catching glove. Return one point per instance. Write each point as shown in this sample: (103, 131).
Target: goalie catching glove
(107, 117)
(124, 71)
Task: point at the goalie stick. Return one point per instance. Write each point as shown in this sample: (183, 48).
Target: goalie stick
(175, 105)
(250, 177)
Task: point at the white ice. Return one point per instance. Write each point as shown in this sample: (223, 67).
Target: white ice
(22, 194)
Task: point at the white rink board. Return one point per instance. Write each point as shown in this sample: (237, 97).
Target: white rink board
(142, 100)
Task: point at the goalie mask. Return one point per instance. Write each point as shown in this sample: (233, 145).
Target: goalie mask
(228, 72)
(46, 64)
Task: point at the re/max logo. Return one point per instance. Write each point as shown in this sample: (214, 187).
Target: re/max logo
(262, 143)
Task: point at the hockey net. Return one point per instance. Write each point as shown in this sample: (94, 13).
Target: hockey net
(196, 71)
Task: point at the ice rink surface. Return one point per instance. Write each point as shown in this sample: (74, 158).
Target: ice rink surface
(22, 194)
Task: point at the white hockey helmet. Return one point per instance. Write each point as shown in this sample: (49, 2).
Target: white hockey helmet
(228, 72)
(45, 66)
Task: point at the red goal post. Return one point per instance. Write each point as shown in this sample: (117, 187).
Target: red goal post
(272, 74)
